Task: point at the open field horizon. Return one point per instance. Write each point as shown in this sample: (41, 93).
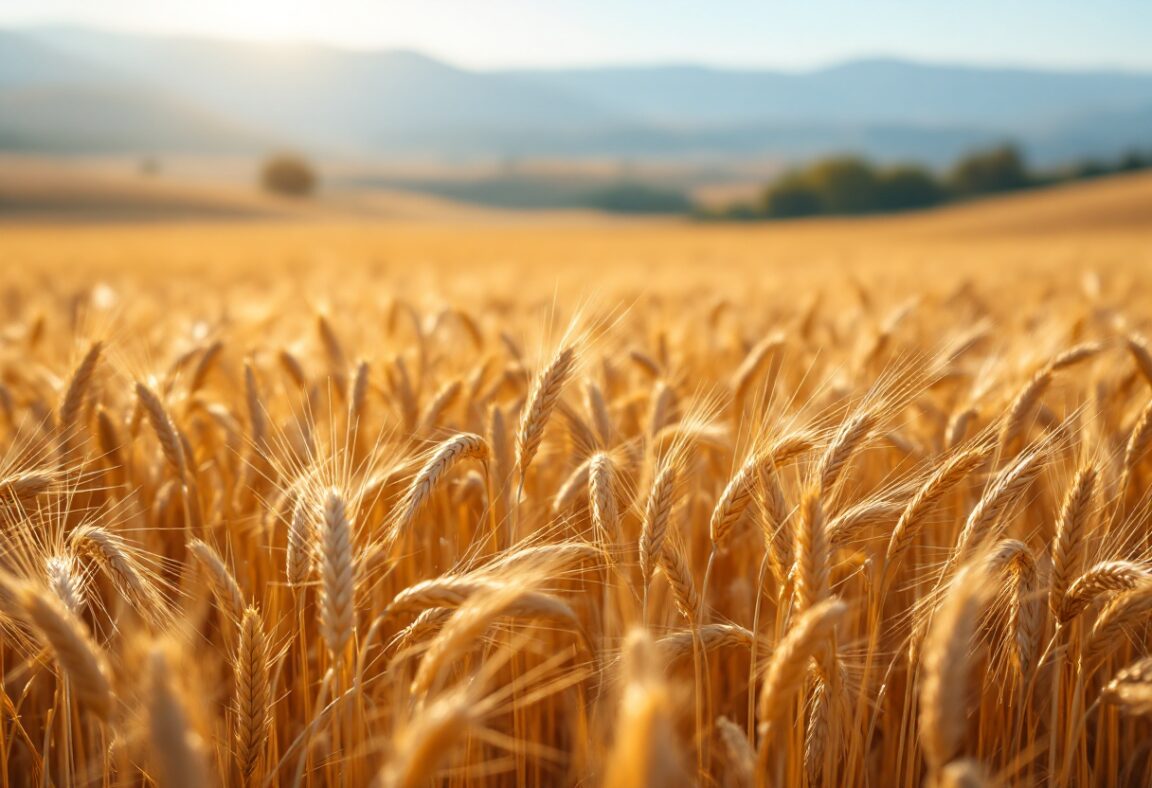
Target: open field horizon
(1079, 225)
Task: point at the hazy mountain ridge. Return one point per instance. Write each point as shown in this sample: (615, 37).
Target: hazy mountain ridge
(244, 96)
(865, 91)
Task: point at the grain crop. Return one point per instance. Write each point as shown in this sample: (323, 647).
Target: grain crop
(867, 526)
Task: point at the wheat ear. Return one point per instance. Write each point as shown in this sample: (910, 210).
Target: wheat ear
(165, 429)
(953, 471)
(947, 654)
(1071, 530)
(1131, 688)
(177, 750)
(812, 552)
(443, 457)
(847, 441)
(678, 645)
(1106, 577)
(252, 696)
(784, 675)
(65, 582)
(657, 513)
(542, 398)
(337, 575)
(224, 586)
(645, 751)
(79, 658)
(676, 570)
(734, 501)
(1126, 610)
(114, 557)
(73, 401)
(421, 745)
(602, 498)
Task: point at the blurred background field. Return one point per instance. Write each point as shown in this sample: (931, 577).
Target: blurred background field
(419, 245)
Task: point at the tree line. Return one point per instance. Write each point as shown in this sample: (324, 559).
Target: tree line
(842, 185)
(851, 185)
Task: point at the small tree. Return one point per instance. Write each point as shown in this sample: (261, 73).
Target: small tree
(289, 174)
(846, 185)
(1134, 160)
(792, 196)
(983, 172)
(906, 187)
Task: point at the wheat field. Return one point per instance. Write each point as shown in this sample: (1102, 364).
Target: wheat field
(647, 505)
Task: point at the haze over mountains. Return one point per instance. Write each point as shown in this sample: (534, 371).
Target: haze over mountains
(75, 90)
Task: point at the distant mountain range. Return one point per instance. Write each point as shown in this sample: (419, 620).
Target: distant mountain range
(76, 90)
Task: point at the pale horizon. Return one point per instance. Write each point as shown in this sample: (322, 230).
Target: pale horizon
(734, 35)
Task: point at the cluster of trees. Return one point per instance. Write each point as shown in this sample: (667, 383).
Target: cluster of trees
(1132, 161)
(848, 185)
(837, 186)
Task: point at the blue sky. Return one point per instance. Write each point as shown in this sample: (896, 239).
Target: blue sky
(781, 33)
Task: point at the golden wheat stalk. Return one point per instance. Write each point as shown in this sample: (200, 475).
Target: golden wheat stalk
(443, 457)
(252, 697)
(788, 664)
(426, 741)
(81, 661)
(165, 429)
(337, 574)
(1106, 577)
(69, 422)
(812, 550)
(224, 587)
(65, 582)
(542, 399)
(602, 498)
(946, 476)
(947, 654)
(1131, 687)
(300, 553)
(176, 749)
(657, 514)
(1071, 531)
(645, 753)
(112, 553)
(733, 501)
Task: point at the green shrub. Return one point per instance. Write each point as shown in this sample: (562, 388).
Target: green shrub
(846, 185)
(988, 171)
(907, 187)
(792, 196)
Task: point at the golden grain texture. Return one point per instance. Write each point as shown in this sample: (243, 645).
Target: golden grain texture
(792, 510)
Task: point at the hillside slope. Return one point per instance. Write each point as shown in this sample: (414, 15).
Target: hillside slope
(1115, 203)
(70, 118)
(398, 102)
(108, 188)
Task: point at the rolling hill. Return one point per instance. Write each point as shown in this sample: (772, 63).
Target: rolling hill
(77, 118)
(236, 95)
(102, 189)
